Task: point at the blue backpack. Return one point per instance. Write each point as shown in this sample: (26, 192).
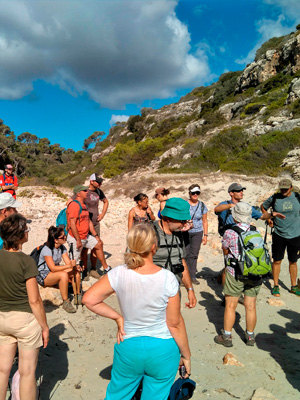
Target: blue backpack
(62, 219)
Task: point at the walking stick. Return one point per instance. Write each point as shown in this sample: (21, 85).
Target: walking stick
(71, 255)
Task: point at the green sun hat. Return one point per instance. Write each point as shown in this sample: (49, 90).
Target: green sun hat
(79, 188)
(177, 208)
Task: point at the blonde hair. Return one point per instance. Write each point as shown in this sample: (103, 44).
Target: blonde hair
(140, 240)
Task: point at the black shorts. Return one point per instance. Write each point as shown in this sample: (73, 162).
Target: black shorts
(279, 244)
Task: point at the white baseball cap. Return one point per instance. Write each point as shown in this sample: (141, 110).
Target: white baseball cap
(7, 200)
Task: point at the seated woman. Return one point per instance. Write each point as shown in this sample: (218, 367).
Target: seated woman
(151, 339)
(23, 321)
(51, 273)
(141, 213)
(161, 194)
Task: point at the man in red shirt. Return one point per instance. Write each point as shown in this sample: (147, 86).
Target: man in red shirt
(8, 181)
(79, 227)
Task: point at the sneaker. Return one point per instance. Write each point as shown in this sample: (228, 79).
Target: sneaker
(195, 281)
(276, 291)
(295, 290)
(225, 340)
(95, 274)
(107, 270)
(249, 339)
(77, 300)
(67, 306)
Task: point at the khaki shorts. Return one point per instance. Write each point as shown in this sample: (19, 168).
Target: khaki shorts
(20, 327)
(235, 287)
(90, 242)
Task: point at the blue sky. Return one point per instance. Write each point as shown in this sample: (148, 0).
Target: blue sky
(70, 68)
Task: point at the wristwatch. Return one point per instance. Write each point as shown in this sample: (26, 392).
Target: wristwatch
(190, 288)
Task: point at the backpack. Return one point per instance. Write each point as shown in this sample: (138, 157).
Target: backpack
(278, 195)
(222, 226)
(35, 254)
(254, 260)
(62, 219)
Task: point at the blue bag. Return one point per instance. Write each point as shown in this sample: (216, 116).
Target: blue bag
(62, 219)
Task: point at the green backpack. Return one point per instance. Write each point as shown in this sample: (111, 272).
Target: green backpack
(254, 260)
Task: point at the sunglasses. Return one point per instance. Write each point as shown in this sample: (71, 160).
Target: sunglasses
(238, 191)
(62, 237)
(197, 193)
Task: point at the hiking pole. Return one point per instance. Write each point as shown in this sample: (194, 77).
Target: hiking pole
(71, 255)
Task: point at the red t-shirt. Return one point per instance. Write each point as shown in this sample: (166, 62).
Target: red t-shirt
(82, 220)
(9, 180)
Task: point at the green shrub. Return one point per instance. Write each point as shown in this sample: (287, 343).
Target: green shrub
(253, 108)
(271, 44)
(277, 81)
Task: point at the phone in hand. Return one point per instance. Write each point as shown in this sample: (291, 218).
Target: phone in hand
(182, 371)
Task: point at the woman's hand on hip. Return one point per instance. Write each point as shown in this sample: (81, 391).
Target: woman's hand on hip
(120, 333)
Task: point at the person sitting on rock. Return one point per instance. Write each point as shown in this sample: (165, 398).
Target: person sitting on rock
(52, 273)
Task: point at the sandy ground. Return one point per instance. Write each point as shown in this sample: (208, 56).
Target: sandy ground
(77, 362)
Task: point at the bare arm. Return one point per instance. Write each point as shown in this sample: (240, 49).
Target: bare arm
(205, 228)
(104, 209)
(186, 280)
(94, 301)
(222, 207)
(130, 219)
(37, 307)
(150, 212)
(176, 326)
(75, 232)
(57, 268)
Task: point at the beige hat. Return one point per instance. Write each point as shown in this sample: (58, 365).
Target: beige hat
(242, 212)
(285, 184)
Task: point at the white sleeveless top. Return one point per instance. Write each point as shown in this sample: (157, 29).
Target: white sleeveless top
(143, 300)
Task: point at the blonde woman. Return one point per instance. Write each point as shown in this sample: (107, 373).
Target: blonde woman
(151, 337)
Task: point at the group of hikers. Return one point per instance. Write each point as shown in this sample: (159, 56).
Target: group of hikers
(161, 257)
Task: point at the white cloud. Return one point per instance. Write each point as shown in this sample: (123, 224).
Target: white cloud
(118, 118)
(285, 23)
(118, 52)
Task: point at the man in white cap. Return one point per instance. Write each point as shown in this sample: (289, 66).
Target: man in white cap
(8, 206)
(8, 181)
(234, 287)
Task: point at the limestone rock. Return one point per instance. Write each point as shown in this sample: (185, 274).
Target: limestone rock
(294, 91)
(262, 394)
(230, 359)
(51, 294)
(226, 111)
(191, 127)
(272, 301)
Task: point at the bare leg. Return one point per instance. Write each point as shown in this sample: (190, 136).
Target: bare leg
(84, 257)
(93, 259)
(100, 254)
(250, 307)
(62, 278)
(229, 315)
(276, 270)
(293, 273)
(7, 354)
(27, 366)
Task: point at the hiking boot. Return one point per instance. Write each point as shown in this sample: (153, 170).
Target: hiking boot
(225, 340)
(249, 339)
(77, 300)
(107, 270)
(95, 274)
(295, 290)
(67, 306)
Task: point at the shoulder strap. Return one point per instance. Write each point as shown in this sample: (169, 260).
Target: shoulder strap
(80, 206)
(297, 196)
(196, 210)
(274, 198)
(236, 229)
(227, 213)
(157, 235)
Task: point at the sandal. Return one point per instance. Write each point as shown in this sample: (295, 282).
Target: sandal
(295, 290)
(276, 291)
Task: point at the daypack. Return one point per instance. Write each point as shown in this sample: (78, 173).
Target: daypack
(278, 195)
(62, 219)
(222, 226)
(35, 254)
(254, 259)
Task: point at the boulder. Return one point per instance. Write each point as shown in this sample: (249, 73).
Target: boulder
(262, 394)
(226, 111)
(294, 91)
(292, 160)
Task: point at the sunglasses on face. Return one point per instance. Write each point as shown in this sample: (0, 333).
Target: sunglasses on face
(238, 191)
(197, 193)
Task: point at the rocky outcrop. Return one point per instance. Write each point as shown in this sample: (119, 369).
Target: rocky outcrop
(292, 161)
(286, 59)
(262, 394)
(294, 91)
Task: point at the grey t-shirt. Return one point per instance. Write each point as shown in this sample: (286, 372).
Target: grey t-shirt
(177, 249)
(290, 207)
(56, 254)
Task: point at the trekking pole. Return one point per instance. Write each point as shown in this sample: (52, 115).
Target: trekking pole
(71, 255)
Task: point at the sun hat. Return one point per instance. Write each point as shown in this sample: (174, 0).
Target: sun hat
(177, 208)
(235, 187)
(285, 184)
(79, 188)
(97, 178)
(242, 212)
(195, 189)
(7, 200)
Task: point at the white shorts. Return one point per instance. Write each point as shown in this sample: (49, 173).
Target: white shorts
(90, 242)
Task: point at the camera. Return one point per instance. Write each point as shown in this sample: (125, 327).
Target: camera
(177, 268)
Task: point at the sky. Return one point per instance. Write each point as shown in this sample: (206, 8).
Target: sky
(69, 68)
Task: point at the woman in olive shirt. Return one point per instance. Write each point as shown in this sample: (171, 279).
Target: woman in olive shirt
(22, 315)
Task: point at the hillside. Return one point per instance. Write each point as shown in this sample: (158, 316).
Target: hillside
(247, 122)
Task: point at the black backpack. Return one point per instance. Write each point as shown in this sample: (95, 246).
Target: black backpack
(222, 226)
(35, 254)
